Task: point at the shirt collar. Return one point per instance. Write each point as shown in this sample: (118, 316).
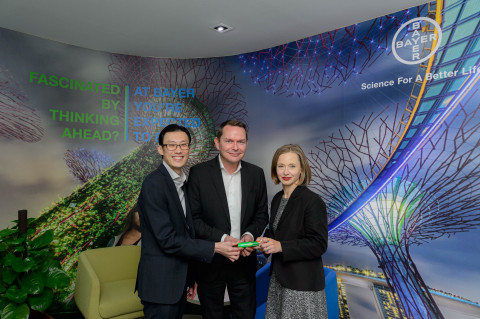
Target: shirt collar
(224, 169)
(177, 179)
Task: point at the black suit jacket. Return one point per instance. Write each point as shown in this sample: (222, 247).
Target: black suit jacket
(211, 216)
(303, 233)
(167, 240)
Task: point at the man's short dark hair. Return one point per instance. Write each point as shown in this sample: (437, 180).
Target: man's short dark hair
(232, 123)
(173, 128)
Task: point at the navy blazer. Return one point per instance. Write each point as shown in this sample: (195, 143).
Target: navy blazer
(167, 240)
(210, 212)
(303, 233)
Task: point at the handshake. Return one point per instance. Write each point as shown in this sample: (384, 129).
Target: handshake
(232, 248)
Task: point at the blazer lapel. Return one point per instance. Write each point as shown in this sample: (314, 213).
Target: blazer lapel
(285, 212)
(290, 203)
(245, 188)
(219, 186)
(188, 216)
(273, 212)
(174, 194)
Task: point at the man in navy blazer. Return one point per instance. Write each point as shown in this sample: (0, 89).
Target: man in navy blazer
(168, 234)
(228, 197)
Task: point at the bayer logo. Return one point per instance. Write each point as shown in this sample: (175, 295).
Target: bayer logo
(419, 34)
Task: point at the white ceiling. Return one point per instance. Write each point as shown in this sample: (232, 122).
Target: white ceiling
(182, 28)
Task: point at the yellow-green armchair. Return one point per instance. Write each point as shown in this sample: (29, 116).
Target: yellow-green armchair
(105, 283)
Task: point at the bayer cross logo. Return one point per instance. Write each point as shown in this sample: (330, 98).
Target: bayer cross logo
(421, 33)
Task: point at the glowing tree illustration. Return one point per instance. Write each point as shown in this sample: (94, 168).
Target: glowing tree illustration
(97, 210)
(436, 193)
(17, 119)
(85, 164)
(215, 86)
(314, 64)
(217, 96)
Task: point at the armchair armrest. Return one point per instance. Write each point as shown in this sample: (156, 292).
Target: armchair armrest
(87, 289)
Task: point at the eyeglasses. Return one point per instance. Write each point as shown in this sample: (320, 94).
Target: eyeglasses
(173, 147)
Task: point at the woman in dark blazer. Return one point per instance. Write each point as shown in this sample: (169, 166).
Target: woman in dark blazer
(298, 238)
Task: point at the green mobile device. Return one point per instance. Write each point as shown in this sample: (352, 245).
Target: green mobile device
(248, 244)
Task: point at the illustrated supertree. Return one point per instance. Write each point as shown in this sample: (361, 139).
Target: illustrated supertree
(85, 164)
(436, 193)
(215, 86)
(217, 95)
(17, 119)
(97, 210)
(314, 64)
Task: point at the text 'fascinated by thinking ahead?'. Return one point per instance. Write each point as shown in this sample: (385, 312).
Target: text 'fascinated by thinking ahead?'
(153, 109)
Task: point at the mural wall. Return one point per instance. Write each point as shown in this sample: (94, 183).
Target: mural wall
(387, 110)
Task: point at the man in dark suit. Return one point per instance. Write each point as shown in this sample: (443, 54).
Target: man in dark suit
(228, 198)
(167, 232)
